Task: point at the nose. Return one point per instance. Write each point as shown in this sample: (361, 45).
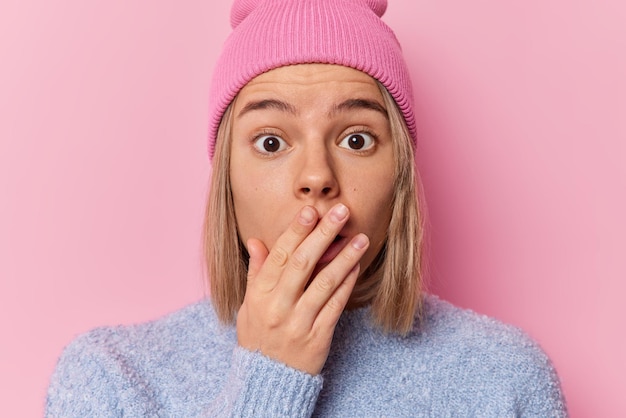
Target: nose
(316, 177)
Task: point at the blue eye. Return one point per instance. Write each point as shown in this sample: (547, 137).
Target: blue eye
(268, 144)
(358, 141)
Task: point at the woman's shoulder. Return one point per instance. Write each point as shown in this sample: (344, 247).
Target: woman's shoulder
(447, 333)
(482, 351)
(140, 362)
(184, 327)
(453, 360)
(178, 336)
(466, 334)
(448, 324)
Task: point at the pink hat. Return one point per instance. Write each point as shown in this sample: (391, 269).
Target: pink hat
(268, 34)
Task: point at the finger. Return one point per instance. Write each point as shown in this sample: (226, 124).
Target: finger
(330, 313)
(324, 286)
(270, 271)
(258, 254)
(306, 256)
(297, 231)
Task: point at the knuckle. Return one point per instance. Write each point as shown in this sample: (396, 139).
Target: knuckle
(299, 261)
(294, 330)
(348, 256)
(279, 256)
(273, 319)
(334, 304)
(327, 230)
(324, 282)
(299, 229)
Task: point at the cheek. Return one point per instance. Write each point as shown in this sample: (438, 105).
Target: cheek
(380, 215)
(373, 200)
(256, 200)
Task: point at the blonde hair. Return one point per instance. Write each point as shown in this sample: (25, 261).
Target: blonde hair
(393, 283)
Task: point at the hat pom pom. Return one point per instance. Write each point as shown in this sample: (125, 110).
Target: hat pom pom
(240, 10)
(378, 6)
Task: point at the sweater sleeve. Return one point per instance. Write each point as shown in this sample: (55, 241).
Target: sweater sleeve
(258, 386)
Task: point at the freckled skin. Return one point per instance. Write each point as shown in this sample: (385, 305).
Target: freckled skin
(312, 169)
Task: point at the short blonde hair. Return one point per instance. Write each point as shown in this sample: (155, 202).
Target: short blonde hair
(394, 286)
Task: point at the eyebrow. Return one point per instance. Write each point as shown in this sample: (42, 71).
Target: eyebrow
(268, 104)
(359, 104)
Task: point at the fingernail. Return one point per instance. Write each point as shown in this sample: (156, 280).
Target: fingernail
(339, 213)
(307, 215)
(360, 241)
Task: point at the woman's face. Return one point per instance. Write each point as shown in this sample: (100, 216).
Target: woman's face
(317, 135)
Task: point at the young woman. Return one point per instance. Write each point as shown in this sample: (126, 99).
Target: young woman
(314, 253)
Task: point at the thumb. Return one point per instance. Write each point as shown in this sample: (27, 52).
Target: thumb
(258, 253)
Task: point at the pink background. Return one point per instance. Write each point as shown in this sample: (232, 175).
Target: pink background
(521, 108)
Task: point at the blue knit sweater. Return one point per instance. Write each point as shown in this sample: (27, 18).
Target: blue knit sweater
(457, 364)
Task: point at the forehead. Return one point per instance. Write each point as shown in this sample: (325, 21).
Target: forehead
(313, 79)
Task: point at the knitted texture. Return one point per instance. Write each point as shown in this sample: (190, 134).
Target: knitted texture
(457, 364)
(268, 34)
